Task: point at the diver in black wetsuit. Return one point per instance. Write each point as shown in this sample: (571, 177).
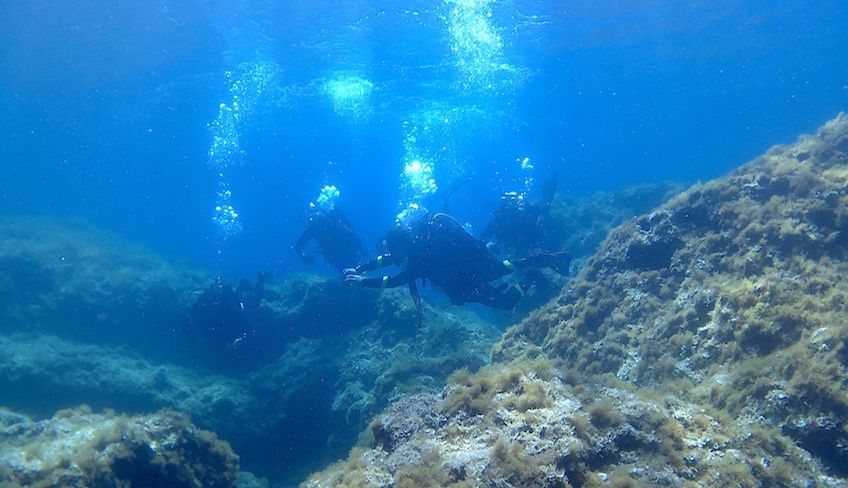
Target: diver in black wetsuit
(334, 236)
(520, 227)
(438, 249)
(225, 316)
(250, 294)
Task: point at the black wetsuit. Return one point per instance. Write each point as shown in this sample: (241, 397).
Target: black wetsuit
(218, 315)
(518, 229)
(452, 259)
(521, 227)
(332, 232)
(250, 295)
(223, 315)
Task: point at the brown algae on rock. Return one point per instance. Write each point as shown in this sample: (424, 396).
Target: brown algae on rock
(78, 448)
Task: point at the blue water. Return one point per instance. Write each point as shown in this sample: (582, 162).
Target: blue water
(138, 116)
(107, 106)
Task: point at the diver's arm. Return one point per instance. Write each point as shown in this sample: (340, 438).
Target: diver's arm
(402, 278)
(382, 261)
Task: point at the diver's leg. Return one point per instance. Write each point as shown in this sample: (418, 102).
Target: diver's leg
(535, 279)
(498, 297)
(557, 261)
(496, 268)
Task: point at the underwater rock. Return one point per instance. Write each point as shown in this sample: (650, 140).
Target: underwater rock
(353, 350)
(42, 373)
(522, 425)
(308, 305)
(249, 480)
(278, 389)
(78, 448)
(382, 364)
(580, 225)
(70, 279)
(705, 342)
(73, 280)
(733, 291)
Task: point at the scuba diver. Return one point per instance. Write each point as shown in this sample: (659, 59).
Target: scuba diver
(519, 227)
(225, 316)
(331, 231)
(437, 248)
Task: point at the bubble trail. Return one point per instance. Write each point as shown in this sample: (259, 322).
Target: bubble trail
(247, 92)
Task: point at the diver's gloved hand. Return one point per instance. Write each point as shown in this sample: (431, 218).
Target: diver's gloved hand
(307, 259)
(353, 279)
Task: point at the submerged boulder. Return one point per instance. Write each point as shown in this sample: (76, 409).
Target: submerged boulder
(69, 278)
(42, 373)
(338, 384)
(524, 425)
(79, 448)
(735, 291)
(579, 225)
(381, 363)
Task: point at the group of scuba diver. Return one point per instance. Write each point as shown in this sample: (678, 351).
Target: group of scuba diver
(436, 248)
(425, 247)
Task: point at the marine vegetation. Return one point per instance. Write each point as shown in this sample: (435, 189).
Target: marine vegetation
(704, 344)
(76, 332)
(79, 448)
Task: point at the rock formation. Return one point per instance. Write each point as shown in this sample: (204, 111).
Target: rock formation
(78, 448)
(704, 344)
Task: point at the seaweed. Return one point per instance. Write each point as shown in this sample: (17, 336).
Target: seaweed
(79, 448)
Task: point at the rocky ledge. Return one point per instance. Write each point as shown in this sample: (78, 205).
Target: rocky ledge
(79, 448)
